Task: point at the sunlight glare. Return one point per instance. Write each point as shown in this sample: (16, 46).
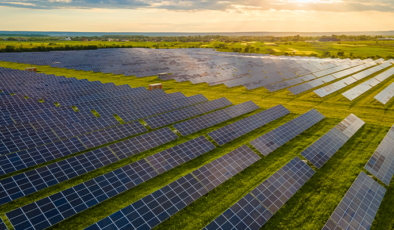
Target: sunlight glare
(314, 1)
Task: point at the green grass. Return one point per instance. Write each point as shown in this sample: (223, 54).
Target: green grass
(351, 49)
(309, 208)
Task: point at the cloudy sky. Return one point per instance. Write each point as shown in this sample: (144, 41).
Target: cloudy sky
(197, 15)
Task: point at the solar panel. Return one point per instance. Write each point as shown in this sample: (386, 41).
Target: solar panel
(381, 164)
(323, 149)
(105, 136)
(270, 141)
(143, 142)
(26, 141)
(181, 114)
(358, 208)
(27, 158)
(26, 183)
(208, 120)
(59, 206)
(2, 225)
(153, 209)
(386, 95)
(241, 127)
(258, 206)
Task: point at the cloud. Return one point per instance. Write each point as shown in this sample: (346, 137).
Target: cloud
(241, 6)
(76, 4)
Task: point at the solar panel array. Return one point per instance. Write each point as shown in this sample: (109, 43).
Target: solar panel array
(323, 149)
(258, 206)
(21, 160)
(188, 112)
(211, 119)
(24, 116)
(33, 132)
(62, 205)
(274, 139)
(153, 209)
(32, 181)
(381, 164)
(30, 126)
(195, 65)
(358, 208)
(365, 86)
(327, 90)
(248, 124)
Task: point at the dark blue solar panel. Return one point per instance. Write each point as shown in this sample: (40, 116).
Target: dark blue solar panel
(59, 206)
(381, 164)
(32, 181)
(284, 133)
(153, 209)
(105, 136)
(324, 148)
(27, 158)
(178, 115)
(205, 121)
(90, 140)
(258, 206)
(358, 208)
(241, 127)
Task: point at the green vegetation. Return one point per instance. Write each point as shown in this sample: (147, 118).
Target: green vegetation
(309, 208)
(343, 49)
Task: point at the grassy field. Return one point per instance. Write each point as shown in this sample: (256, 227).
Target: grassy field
(351, 49)
(309, 208)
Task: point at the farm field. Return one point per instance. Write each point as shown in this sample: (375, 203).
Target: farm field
(310, 207)
(350, 49)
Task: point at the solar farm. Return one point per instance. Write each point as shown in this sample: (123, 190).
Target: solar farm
(231, 141)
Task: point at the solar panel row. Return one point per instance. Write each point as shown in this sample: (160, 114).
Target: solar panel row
(248, 124)
(358, 208)
(386, 95)
(89, 140)
(27, 158)
(322, 80)
(327, 90)
(274, 139)
(62, 205)
(364, 87)
(208, 120)
(188, 112)
(153, 209)
(258, 206)
(381, 164)
(323, 149)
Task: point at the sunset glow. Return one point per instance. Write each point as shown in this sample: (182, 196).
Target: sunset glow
(219, 16)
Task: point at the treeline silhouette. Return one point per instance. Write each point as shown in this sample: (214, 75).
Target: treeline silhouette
(43, 48)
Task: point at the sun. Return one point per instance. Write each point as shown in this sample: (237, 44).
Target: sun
(313, 1)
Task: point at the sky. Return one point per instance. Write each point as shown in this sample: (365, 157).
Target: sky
(197, 15)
